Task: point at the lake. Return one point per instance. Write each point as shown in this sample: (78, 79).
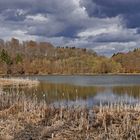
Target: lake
(84, 90)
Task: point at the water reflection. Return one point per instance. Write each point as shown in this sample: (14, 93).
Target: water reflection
(78, 95)
(133, 90)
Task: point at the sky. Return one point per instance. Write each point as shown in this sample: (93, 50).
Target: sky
(106, 26)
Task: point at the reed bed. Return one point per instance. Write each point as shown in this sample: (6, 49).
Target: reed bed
(23, 118)
(18, 82)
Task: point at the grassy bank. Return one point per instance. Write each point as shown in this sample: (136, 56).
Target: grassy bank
(18, 82)
(22, 118)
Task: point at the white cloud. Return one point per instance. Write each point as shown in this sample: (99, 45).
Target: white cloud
(65, 23)
(21, 12)
(94, 32)
(6, 34)
(37, 17)
(102, 26)
(110, 48)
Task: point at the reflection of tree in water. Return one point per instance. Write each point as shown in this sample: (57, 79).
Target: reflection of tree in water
(56, 92)
(67, 91)
(133, 91)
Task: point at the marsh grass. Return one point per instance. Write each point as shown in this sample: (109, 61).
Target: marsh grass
(18, 82)
(24, 118)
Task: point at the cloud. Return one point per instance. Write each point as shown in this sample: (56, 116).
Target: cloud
(110, 26)
(128, 9)
(113, 47)
(37, 18)
(105, 26)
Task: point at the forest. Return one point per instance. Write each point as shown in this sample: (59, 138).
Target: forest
(31, 57)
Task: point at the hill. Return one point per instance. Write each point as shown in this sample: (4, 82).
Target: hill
(30, 57)
(130, 61)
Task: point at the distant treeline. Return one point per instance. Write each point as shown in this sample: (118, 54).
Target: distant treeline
(30, 57)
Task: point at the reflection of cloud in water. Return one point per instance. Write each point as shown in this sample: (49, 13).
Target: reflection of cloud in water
(77, 103)
(112, 98)
(103, 98)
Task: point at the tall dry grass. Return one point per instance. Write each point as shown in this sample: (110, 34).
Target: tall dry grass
(18, 82)
(24, 118)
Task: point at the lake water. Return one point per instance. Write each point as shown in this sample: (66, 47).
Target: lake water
(86, 90)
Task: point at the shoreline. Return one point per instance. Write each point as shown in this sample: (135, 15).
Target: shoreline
(108, 74)
(18, 82)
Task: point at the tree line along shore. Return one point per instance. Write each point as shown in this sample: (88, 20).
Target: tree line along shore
(30, 57)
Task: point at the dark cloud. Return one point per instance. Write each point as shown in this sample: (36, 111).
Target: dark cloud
(104, 25)
(129, 10)
(13, 15)
(63, 19)
(106, 37)
(132, 20)
(112, 8)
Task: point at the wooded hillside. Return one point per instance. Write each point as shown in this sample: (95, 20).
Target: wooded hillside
(130, 61)
(31, 57)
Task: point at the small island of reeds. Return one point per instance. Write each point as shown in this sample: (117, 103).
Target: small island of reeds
(18, 82)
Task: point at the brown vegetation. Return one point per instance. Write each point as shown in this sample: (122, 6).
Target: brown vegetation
(18, 82)
(130, 61)
(31, 57)
(24, 119)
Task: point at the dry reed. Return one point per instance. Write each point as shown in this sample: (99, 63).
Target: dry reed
(18, 82)
(22, 118)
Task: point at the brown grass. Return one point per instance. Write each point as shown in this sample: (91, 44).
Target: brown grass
(27, 119)
(18, 82)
